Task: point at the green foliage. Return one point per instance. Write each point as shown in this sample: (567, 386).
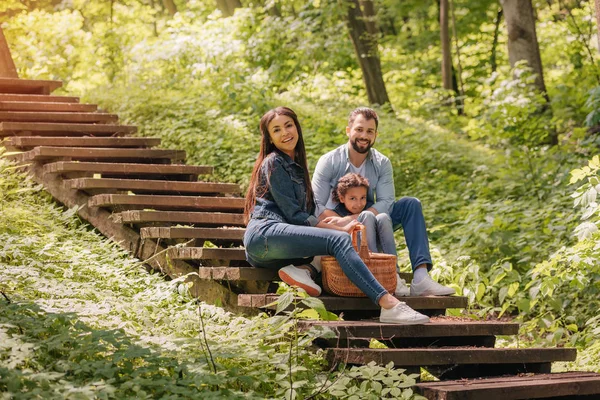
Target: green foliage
(512, 111)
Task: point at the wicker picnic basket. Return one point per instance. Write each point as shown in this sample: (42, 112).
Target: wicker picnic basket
(382, 266)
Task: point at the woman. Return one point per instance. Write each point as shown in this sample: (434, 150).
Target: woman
(281, 231)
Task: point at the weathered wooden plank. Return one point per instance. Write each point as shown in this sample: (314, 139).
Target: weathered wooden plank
(28, 142)
(439, 327)
(333, 303)
(179, 217)
(38, 98)
(193, 233)
(127, 169)
(81, 117)
(206, 253)
(63, 129)
(15, 85)
(534, 386)
(168, 202)
(46, 106)
(153, 186)
(42, 153)
(238, 273)
(450, 356)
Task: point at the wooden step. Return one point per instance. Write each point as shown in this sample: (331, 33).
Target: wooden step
(46, 106)
(63, 129)
(207, 253)
(153, 186)
(336, 304)
(38, 98)
(237, 274)
(154, 171)
(29, 142)
(159, 202)
(76, 117)
(44, 153)
(439, 327)
(449, 356)
(532, 386)
(139, 217)
(28, 86)
(236, 234)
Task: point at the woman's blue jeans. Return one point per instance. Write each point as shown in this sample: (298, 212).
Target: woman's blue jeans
(273, 244)
(407, 212)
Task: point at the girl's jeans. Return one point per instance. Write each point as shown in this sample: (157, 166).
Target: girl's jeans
(380, 233)
(273, 244)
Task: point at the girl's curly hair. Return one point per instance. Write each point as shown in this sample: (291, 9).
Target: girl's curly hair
(346, 182)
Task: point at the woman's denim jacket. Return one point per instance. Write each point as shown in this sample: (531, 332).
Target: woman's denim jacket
(284, 199)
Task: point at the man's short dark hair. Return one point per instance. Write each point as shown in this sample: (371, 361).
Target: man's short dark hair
(366, 112)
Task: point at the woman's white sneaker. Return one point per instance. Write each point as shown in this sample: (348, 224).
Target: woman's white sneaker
(299, 277)
(429, 287)
(403, 315)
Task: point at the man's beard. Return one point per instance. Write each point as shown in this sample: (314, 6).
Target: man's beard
(361, 150)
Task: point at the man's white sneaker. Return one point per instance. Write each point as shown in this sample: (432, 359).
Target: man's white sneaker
(403, 315)
(401, 288)
(299, 277)
(428, 287)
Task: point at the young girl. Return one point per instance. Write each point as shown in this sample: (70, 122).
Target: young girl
(281, 231)
(351, 194)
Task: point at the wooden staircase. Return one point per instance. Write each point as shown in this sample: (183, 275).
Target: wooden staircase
(141, 195)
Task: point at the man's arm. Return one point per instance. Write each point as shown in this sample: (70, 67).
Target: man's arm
(385, 191)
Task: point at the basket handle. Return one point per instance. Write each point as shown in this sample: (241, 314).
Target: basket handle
(363, 252)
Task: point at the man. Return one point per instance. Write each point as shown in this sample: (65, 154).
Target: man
(358, 156)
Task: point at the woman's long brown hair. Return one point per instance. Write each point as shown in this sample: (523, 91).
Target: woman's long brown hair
(266, 148)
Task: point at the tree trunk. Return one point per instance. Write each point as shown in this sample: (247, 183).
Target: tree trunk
(493, 62)
(522, 39)
(7, 65)
(369, 15)
(598, 21)
(365, 47)
(445, 39)
(170, 6)
(228, 7)
(523, 45)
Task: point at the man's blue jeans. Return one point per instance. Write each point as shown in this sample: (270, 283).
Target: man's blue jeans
(407, 212)
(273, 244)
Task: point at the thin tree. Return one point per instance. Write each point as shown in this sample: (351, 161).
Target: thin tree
(170, 6)
(446, 52)
(365, 46)
(522, 39)
(523, 45)
(228, 7)
(598, 21)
